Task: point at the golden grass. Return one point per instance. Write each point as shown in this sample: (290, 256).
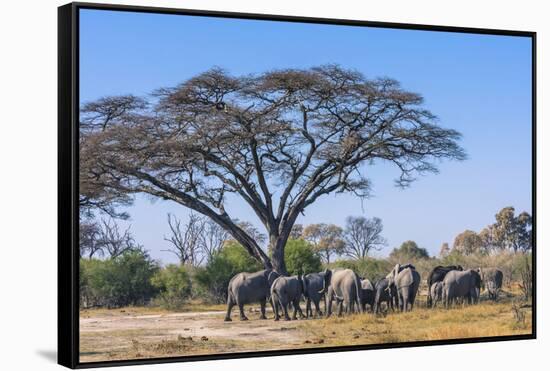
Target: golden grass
(422, 324)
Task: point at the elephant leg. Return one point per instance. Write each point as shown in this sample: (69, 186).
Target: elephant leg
(241, 311)
(317, 309)
(328, 303)
(230, 305)
(297, 308)
(275, 304)
(285, 309)
(399, 301)
(340, 307)
(262, 309)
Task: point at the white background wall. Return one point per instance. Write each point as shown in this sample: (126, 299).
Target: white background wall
(28, 155)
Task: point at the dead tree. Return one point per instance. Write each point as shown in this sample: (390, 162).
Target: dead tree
(113, 241)
(185, 240)
(363, 235)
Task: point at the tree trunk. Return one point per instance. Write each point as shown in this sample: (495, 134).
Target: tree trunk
(278, 260)
(277, 249)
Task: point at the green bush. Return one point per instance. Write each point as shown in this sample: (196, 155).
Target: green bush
(371, 268)
(407, 251)
(300, 258)
(173, 283)
(124, 280)
(213, 278)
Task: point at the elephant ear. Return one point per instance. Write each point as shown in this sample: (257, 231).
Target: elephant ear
(393, 274)
(327, 275)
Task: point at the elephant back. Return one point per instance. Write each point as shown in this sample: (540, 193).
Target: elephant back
(407, 277)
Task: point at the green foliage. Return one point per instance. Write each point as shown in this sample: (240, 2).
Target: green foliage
(300, 258)
(407, 251)
(213, 278)
(371, 268)
(173, 283)
(469, 242)
(124, 280)
(512, 232)
(325, 239)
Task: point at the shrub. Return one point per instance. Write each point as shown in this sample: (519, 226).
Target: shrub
(124, 280)
(173, 283)
(214, 277)
(409, 250)
(370, 268)
(300, 258)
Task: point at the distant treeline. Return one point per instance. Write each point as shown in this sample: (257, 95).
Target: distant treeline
(116, 271)
(133, 278)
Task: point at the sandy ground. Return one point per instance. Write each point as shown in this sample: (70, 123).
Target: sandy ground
(209, 324)
(110, 336)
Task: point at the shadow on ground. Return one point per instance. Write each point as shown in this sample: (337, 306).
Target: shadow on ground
(50, 355)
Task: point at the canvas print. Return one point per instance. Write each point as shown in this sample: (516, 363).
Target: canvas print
(259, 185)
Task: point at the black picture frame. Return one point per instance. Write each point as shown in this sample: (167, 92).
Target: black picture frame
(68, 187)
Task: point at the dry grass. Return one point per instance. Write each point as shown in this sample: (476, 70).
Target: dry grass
(487, 319)
(161, 338)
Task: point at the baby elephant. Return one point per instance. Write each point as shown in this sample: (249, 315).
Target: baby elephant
(286, 290)
(436, 293)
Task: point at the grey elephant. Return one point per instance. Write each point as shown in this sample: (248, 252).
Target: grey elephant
(285, 291)
(345, 287)
(492, 280)
(245, 288)
(436, 293)
(314, 291)
(465, 285)
(406, 280)
(383, 292)
(367, 294)
(437, 275)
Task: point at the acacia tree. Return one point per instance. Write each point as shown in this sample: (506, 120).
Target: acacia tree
(326, 239)
(363, 235)
(513, 232)
(279, 140)
(468, 242)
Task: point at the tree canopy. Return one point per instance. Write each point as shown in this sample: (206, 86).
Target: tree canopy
(409, 250)
(363, 235)
(279, 140)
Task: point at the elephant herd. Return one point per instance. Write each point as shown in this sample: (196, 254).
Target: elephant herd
(351, 293)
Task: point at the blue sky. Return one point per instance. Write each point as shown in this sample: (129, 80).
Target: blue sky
(479, 85)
